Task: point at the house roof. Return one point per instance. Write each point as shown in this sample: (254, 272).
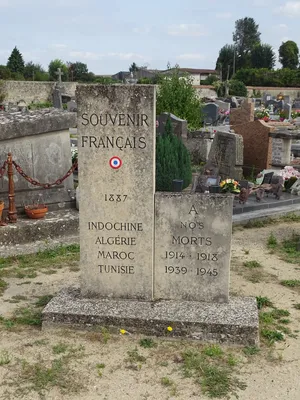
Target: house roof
(197, 71)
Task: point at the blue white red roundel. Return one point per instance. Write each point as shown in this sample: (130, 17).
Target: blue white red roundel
(115, 162)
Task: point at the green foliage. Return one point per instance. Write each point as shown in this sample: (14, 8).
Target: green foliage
(52, 69)
(237, 88)
(37, 106)
(15, 62)
(289, 54)
(245, 37)
(263, 56)
(225, 59)
(78, 72)
(264, 77)
(4, 72)
(133, 67)
(263, 302)
(172, 160)
(2, 91)
(35, 72)
(147, 343)
(272, 241)
(105, 80)
(177, 95)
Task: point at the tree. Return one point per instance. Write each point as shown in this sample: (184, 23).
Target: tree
(133, 68)
(35, 72)
(52, 69)
(289, 54)
(177, 95)
(78, 71)
(15, 62)
(245, 38)
(263, 56)
(225, 59)
(172, 160)
(4, 72)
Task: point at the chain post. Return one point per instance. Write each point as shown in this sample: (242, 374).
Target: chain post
(12, 212)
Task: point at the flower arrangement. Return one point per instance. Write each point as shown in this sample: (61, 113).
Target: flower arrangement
(262, 114)
(288, 173)
(230, 186)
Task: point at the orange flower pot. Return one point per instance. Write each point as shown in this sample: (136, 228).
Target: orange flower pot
(36, 212)
(1, 208)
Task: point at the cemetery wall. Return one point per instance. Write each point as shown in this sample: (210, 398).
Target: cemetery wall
(33, 91)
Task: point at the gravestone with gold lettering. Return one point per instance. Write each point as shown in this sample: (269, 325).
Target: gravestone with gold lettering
(192, 246)
(116, 146)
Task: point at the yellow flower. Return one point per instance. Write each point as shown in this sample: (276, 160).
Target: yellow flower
(169, 328)
(122, 331)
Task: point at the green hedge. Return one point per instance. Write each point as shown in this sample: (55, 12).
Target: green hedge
(264, 77)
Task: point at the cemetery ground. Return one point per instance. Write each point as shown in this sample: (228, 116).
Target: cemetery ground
(107, 364)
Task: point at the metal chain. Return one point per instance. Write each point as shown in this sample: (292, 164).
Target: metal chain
(45, 185)
(3, 169)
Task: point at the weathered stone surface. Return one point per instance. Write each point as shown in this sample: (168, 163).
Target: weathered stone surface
(226, 154)
(242, 115)
(179, 125)
(19, 124)
(235, 322)
(116, 204)
(192, 246)
(45, 159)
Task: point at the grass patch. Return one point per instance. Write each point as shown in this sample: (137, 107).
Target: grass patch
(251, 350)
(147, 343)
(3, 286)
(272, 241)
(134, 356)
(43, 300)
(263, 302)
(60, 348)
(297, 306)
(42, 376)
(165, 381)
(291, 283)
(4, 358)
(252, 264)
(213, 369)
(272, 327)
(47, 261)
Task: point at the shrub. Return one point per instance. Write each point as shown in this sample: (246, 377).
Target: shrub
(172, 160)
(237, 88)
(177, 95)
(2, 91)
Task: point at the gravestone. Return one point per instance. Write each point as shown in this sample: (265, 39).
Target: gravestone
(179, 125)
(116, 143)
(295, 189)
(192, 247)
(57, 98)
(226, 154)
(288, 110)
(234, 102)
(72, 106)
(223, 105)
(296, 104)
(211, 113)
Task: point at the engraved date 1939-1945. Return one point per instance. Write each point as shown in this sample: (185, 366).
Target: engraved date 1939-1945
(169, 269)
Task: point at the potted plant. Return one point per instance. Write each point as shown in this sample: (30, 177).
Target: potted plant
(36, 211)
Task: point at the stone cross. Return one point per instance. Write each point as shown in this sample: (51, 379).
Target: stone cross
(60, 74)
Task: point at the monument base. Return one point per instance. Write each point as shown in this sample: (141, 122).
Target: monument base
(235, 322)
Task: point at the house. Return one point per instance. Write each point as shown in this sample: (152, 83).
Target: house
(197, 75)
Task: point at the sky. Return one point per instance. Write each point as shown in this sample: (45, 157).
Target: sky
(109, 35)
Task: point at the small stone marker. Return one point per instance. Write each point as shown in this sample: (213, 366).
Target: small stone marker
(192, 246)
(116, 127)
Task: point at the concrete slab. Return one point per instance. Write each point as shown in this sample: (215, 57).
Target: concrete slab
(235, 322)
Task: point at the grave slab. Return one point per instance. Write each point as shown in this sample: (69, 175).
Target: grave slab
(235, 322)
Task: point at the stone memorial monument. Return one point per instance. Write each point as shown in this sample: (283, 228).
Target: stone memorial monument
(148, 260)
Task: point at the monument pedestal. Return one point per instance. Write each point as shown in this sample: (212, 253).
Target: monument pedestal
(232, 323)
